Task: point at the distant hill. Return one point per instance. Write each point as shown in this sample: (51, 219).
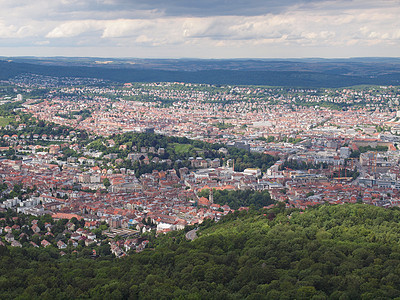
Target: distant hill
(290, 73)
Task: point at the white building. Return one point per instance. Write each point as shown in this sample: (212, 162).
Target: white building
(252, 171)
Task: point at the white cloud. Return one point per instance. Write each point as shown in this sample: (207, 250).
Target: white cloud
(75, 28)
(6, 31)
(15, 32)
(124, 28)
(348, 25)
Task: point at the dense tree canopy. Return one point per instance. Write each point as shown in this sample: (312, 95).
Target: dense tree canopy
(328, 252)
(237, 199)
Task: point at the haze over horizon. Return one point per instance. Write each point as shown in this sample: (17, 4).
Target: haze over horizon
(200, 29)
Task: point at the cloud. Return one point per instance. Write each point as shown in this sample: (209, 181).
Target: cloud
(125, 28)
(74, 28)
(15, 32)
(304, 27)
(6, 31)
(247, 27)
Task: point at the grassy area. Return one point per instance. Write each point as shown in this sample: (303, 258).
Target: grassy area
(183, 148)
(5, 121)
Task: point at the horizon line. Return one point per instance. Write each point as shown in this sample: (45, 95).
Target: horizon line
(197, 58)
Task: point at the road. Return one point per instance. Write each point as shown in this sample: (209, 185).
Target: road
(360, 170)
(191, 235)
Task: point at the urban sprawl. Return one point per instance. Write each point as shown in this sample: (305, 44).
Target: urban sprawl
(325, 146)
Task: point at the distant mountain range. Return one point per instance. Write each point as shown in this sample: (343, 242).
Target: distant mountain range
(311, 73)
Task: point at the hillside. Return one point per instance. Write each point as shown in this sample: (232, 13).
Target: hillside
(296, 73)
(335, 252)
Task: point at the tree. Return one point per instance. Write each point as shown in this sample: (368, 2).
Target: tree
(106, 182)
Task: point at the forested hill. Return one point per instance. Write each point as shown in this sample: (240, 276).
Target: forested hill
(303, 73)
(328, 252)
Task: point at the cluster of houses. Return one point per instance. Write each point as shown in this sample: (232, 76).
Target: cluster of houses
(17, 235)
(122, 247)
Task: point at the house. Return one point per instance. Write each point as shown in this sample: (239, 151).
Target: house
(8, 229)
(89, 242)
(45, 243)
(226, 207)
(91, 236)
(35, 228)
(130, 244)
(61, 245)
(215, 206)
(73, 242)
(203, 202)
(9, 237)
(139, 226)
(70, 226)
(84, 232)
(91, 224)
(80, 231)
(34, 244)
(117, 251)
(48, 226)
(16, 244)
(141, 246)
(180, 224)
(75, 236)
(15, 227)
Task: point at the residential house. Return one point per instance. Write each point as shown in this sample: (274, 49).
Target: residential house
(70, 226)
(16, 244)
(73, 242)
(9, 237)
(34, 244)
(75, 236)
(61, 245)
(45, 243)
(89, 242)
(35, 228)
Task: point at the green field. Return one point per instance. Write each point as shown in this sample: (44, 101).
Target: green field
(183, 148)
(5, 121)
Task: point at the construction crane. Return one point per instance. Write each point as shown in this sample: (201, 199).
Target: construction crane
(352, 162)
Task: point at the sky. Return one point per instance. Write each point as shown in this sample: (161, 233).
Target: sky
(200, 28)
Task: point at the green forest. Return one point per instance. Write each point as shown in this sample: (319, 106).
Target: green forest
(237, 199)
(327, 252)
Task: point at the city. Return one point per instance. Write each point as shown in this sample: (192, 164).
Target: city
(198, 150)
(78, 169)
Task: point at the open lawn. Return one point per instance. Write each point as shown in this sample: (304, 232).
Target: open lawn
(183, 148)
(5, 121)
